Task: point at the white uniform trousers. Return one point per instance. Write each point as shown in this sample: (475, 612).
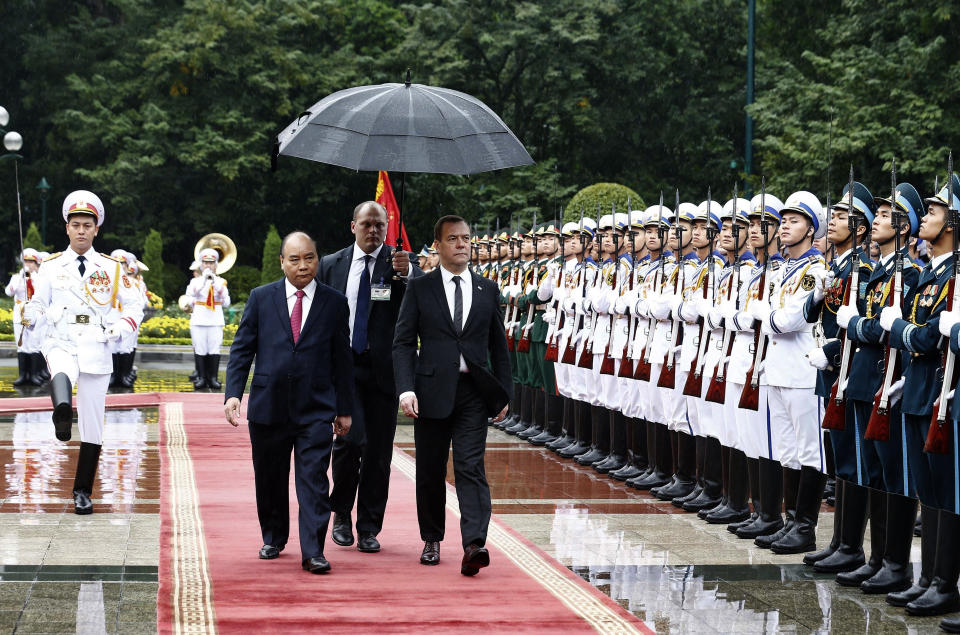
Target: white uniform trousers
(206, 339)
(677, 408)
(795, 416)
(594, 384)
(91, 394)
(709, 414)
(654, 409)
(693, 408)
(757, 436)
(609, 386)
(560, 377)
(732, 417)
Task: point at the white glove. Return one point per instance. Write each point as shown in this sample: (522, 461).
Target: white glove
(660, 307)
(31, 313)
(817, 359)
(704, 306)
(570, 306)
(888, 315)
(114, 332)
(819, 291)
(727, 309)
(549, 316)
(760, 311)
(675, 302)
(896, 390)
(621, 306)
(947, 320)
(845, 314)
(208, 275)
(714, 316)
(587, 305)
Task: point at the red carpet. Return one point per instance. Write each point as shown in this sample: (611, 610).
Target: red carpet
(211, 579)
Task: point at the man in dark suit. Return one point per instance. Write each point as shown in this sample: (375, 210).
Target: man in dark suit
(301, 394)
(373, 277)
(460, 378)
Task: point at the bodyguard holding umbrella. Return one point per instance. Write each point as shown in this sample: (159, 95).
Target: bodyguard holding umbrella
(373, 276)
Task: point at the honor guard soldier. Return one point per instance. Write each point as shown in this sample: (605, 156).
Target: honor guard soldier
(755, 435)
(83, 301)
(21, 288)
(915, 330)
(125, 349)
(564, 282)
(734, 236)
(892, 510)
(210, 297)
(795, 412)
(846, 231)
(694, 310)
(651, 345)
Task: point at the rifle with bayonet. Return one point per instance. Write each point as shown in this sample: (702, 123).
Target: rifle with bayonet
(694, 384)
(878, 428)
(716, 391)
(644, 366)
(626, 359)
(750, 397)
(553, 333)
(570, 352)
(586, 355)
(835, 415)
(523, 346)
(608, 366)
(668, 370)
(938, 436)
(512, 279)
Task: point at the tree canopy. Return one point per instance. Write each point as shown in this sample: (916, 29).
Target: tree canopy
(168, 109)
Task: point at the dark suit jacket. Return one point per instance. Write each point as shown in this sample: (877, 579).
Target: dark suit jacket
(334, 272)
(433, 375)
(300, 383)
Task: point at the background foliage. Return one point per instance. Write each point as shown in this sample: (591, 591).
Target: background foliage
(167, 109)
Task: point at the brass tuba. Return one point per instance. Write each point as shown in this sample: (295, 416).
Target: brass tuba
(223, 246)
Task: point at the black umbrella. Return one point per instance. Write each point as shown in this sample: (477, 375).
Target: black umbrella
(403, 128)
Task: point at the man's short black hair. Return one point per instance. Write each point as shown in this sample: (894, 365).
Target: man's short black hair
(438, 228)
(283, 243)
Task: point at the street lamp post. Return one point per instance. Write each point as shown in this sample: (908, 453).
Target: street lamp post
(44, 188)
(12, 141)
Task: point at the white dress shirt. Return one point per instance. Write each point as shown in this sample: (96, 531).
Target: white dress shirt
(353, 279)
(305, 304)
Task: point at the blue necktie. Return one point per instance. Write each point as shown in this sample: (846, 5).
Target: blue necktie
(362, 312)
(82, 268)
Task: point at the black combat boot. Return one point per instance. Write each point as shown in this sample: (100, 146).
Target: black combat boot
(83, 482)
(213, 371)
(61, 395)
(712, 476)
(791, 488)
(815, 557)
(849, 554)
(769, 520)
(878, 541)
(803, 536)
(896, 574)
(24, 366)
(942, 596)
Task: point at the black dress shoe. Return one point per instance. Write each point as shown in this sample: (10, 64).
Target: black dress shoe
(316, 564)
(368, 543)
(431, 553)
(269, 552)
(951, 625)
(474, 559)
(82, 504)
(342, 533)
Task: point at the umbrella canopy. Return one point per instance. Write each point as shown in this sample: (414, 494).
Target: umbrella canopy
(403, 128)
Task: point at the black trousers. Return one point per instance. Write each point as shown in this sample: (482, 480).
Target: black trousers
(361, 459)
(310, 444)
(466, 428)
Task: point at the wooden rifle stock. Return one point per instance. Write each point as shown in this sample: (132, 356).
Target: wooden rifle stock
(716, 391)
(609, 366)
(750, 397)
(835, 415)
(694, 384)
(878, 428)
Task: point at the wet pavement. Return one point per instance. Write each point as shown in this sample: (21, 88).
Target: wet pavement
(62, 573)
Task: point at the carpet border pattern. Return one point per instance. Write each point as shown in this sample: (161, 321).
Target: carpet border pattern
(192, 598)
(582, 601)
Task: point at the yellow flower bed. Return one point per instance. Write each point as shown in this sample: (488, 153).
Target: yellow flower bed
(6, 321)
(165, 327)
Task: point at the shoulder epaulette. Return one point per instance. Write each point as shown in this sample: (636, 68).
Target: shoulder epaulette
(113, 258)
(52, 256)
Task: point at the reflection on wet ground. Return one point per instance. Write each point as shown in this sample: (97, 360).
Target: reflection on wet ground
(670, 569)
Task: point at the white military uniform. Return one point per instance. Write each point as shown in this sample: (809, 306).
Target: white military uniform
(210, 297)
(82, 314)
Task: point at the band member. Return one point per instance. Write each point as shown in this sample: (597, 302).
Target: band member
(21, 288)
(210, 298)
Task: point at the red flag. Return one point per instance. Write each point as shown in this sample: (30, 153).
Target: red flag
(385, 198)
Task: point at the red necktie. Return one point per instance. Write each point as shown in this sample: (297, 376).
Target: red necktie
(296, 315)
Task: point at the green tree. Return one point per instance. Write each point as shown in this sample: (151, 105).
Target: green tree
(240, 280)
(270, 267)
(600, 199)
(32, 239)
(153, 258)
